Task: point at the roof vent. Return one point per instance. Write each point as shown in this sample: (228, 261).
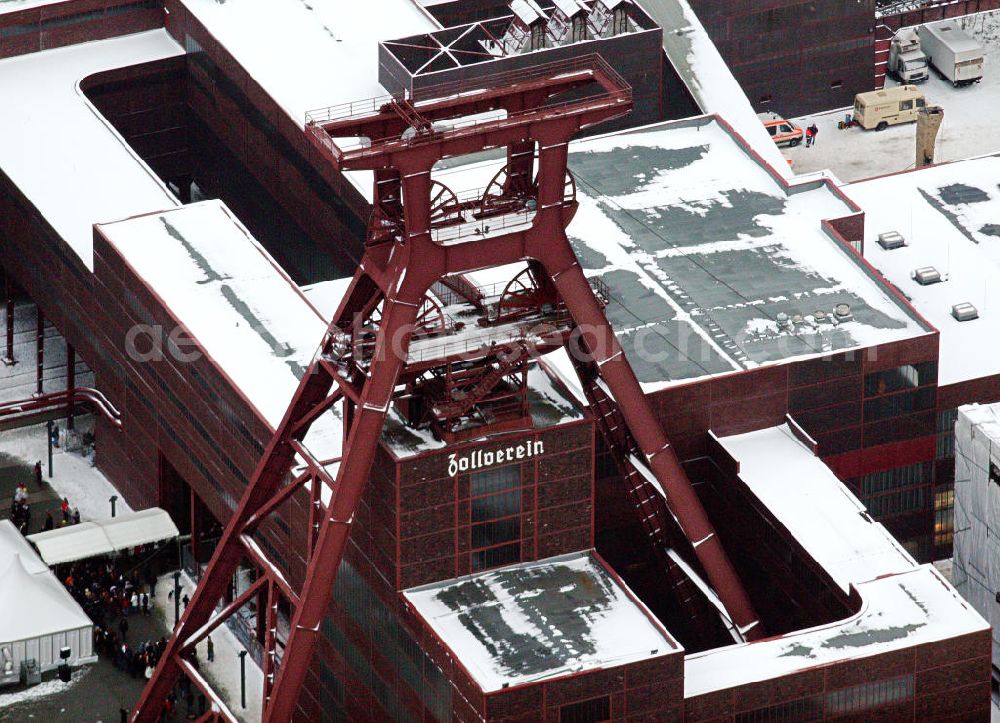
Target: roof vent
(890, 240)
(821, 317)
(842, 312)
(964, 311)
(783, 321)
(927, 275)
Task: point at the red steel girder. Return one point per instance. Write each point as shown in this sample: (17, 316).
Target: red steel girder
(401, 273)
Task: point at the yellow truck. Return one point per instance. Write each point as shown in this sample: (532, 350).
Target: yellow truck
(880, 109)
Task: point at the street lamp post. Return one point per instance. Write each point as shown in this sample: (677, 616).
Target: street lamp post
(112, 499)
(48, 426)
(177, 597)
(243, 678)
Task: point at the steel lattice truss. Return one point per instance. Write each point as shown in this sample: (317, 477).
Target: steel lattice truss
(420, 239)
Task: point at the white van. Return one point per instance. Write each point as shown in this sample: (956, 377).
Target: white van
(879, 109)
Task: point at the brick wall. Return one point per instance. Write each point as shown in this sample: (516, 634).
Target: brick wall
(433, 517)
(75, 21)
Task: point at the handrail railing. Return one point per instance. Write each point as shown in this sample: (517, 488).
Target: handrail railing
(441, 91)
(482, 227)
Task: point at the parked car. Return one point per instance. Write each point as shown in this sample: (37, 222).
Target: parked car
(782, 132)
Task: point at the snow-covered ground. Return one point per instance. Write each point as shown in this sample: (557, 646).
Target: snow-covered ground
(72, 476)
(224, 671)
(969, 128)
(42, 690)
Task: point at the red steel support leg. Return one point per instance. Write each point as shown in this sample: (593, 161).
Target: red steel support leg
(397, 317)
(557, 255)
(599, 338)
(270, 472)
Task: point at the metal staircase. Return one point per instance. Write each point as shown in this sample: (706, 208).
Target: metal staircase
(649, 502)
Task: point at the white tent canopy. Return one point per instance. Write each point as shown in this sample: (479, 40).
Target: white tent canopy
(101, 537)
(39, 615)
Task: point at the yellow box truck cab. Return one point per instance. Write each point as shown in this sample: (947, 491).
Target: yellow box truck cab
(879, 109)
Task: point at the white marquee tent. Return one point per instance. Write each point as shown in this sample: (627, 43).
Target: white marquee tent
(39, 615)
(101, 537)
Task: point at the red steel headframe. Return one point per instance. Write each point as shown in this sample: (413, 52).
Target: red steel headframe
(399, 273)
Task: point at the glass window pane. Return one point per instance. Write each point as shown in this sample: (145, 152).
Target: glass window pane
(496, 480)
(493, 507)
(496, 556)
(495, 533)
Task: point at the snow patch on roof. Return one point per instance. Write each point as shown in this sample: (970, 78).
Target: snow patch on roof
(229, 294)
(539, 621)
(898, 611)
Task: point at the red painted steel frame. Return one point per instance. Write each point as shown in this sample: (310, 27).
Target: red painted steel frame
(400, 273)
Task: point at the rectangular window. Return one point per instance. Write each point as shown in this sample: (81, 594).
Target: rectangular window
(894, 479)
(909, 376)
(867, 696)
(594, 710)
(803, 709)
(944, 526)
(897, 405)
(495, 512)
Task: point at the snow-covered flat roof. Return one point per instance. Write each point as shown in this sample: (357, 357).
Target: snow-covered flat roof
(815, 507)
(309, 55)
(245, 313)
(898, 611)
(950, 218)
(69, 162)
(902, 604)
(702, 249)
(540, 620)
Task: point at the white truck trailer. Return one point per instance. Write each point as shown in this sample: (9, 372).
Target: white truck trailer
(907, 62)
(951, 52)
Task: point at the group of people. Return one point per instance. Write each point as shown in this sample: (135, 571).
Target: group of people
(20, 512)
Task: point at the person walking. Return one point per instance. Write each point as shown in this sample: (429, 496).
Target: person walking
(38, 474)
(144, 601)
(64, 506)
(123, 628)
(76, 515)
(811, 132)
(49, 522)
(211, 649)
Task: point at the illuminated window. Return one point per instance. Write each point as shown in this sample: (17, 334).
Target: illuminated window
(944, 525)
